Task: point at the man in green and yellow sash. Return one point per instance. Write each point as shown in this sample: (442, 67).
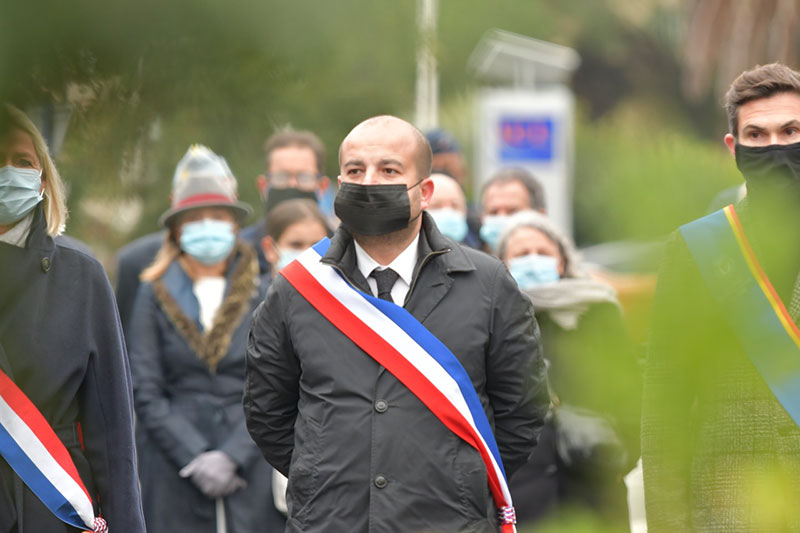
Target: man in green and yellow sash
(720, 435)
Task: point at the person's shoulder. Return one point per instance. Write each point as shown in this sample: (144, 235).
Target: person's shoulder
(71, 242)
(675, 249)
(79, 263)
(147, 244)
(254, 232)
(277, 284)
(480, 259)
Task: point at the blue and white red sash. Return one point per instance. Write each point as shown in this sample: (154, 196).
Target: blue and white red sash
(40, 459)
(411, 353)
(749, 302)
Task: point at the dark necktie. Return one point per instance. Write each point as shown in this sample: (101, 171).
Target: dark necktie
(385, 279)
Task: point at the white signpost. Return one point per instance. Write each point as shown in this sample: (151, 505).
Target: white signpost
(526, 119)
(532, 129)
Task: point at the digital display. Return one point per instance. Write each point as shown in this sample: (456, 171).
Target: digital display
(526, 139)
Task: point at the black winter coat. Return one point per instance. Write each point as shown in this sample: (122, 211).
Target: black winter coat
(592, 367)
(61, 343)
(188, 391)
(362, 453)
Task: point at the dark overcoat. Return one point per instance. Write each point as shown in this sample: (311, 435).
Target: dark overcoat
(61, 341)
(362, 453)
(131, 260)
(188, 392)
(592, 367)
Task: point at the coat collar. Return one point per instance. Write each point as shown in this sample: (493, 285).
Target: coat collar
(449, 255)
(210, 346)
(20, 268)
(38, 239)
(438, 258)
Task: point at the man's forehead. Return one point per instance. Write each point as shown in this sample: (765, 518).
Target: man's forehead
(775, 110)
(377, 143)
(506, 188)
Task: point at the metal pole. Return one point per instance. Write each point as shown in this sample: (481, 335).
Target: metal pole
(427, 90)
(222, 526)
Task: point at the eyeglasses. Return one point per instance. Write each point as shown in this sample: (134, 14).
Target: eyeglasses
(282, 179)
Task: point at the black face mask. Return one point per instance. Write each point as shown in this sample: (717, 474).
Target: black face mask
(276, 196)
(770, 170)
(373, 209)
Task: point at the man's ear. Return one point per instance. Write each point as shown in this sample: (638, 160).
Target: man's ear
(730, 142)
(426, 188)
(339, 180)
(269, 249)
(261, 185)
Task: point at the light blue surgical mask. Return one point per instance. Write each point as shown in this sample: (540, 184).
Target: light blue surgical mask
(19, 192)
(209, 241)
(286, 256)
(532, 270)
(450, 222)
(491, 228)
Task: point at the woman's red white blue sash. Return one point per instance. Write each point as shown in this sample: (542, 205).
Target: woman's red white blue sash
(411, 353)
(40, 459)
(747, 299)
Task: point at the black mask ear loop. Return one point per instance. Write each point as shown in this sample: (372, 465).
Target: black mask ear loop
(420, 211)
(417, 183)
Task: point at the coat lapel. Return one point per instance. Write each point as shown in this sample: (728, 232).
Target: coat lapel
(21, 267)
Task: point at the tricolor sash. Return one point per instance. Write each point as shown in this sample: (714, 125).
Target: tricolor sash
(40, 459)
(411, 353)
(750, 304)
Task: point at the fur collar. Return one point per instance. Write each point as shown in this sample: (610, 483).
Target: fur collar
(212, 346)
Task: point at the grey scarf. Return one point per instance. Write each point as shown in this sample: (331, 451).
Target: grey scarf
(567, 299)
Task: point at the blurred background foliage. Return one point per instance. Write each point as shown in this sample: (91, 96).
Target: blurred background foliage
(146, 79)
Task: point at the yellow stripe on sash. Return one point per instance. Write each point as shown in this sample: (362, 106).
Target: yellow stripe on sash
(761, 277)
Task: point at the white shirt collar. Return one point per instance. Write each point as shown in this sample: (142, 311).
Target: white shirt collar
(403, 264)
(19, 233)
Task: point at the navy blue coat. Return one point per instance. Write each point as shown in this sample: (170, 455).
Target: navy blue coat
(186, 406)
(61, 342)
(131, 260)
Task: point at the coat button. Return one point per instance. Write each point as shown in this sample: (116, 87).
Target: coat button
(380, 482)
(45, 264)
(381, 406)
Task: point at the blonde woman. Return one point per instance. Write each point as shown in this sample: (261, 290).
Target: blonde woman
(65, 375)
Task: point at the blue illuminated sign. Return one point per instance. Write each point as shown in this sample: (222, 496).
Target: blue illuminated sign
(528, 139)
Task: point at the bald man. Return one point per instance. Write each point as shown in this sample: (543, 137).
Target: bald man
(351, 354)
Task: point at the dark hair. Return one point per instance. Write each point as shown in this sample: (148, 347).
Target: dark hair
(302, 139)
(290, 212)
(762, 81)
(535, 190)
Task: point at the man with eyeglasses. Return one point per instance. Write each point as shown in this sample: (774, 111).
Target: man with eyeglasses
(295, 166)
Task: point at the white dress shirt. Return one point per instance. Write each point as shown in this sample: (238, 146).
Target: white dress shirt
(403, 264)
